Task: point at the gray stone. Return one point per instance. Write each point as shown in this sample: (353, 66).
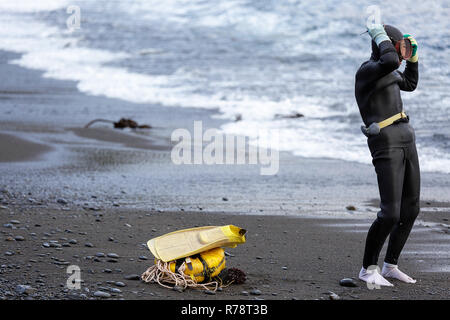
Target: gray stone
(209, 292)
(348, 282)
(178, 289)
(113, 255)
(119, 284)
(255, 292)
(132, 277)
(61, 201)
(25, 289)
(102, 294)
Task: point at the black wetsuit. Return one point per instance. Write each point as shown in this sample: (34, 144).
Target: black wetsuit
(377, 90)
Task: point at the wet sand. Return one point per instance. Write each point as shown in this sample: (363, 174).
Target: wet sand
(14, 149)
(284, 258)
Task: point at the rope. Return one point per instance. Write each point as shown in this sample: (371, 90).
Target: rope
(161, 273)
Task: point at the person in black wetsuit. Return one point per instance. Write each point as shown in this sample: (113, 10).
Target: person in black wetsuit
(378, 83)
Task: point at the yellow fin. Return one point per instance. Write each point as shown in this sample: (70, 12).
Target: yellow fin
(187, 242)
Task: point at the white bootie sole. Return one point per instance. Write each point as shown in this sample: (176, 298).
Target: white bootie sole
(373, 278)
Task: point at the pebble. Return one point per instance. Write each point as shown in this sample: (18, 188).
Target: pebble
(88, 244)
(102, 294)
(255, 292)
(119, 284)
(348, 282)
(73, 241)
(334, 296)
(25, 289)
(115, 290)
(19, 238)
(113, 255)
(178, 289)
(132, 277)
(15, 222)
(143, 258)
(9, 253)
(244, 293)
(100, 254)
(61, 201)
(350, 208)
(209, 292)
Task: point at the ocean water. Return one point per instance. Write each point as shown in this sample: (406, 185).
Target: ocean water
(253, 58)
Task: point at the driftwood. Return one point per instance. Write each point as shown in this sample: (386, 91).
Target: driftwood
(293, 115)
(122, 123)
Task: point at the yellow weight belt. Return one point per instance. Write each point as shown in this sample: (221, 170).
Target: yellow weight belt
(391, 120)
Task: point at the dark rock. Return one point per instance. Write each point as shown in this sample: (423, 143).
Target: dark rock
(61, 201)
(119, 284)
(209, 292)
(348, 282)
(350, 208)
(132, 277)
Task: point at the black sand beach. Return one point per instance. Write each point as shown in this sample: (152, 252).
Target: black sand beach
(116, 189)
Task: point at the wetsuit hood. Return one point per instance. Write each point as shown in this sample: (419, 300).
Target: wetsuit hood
(392, 33)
